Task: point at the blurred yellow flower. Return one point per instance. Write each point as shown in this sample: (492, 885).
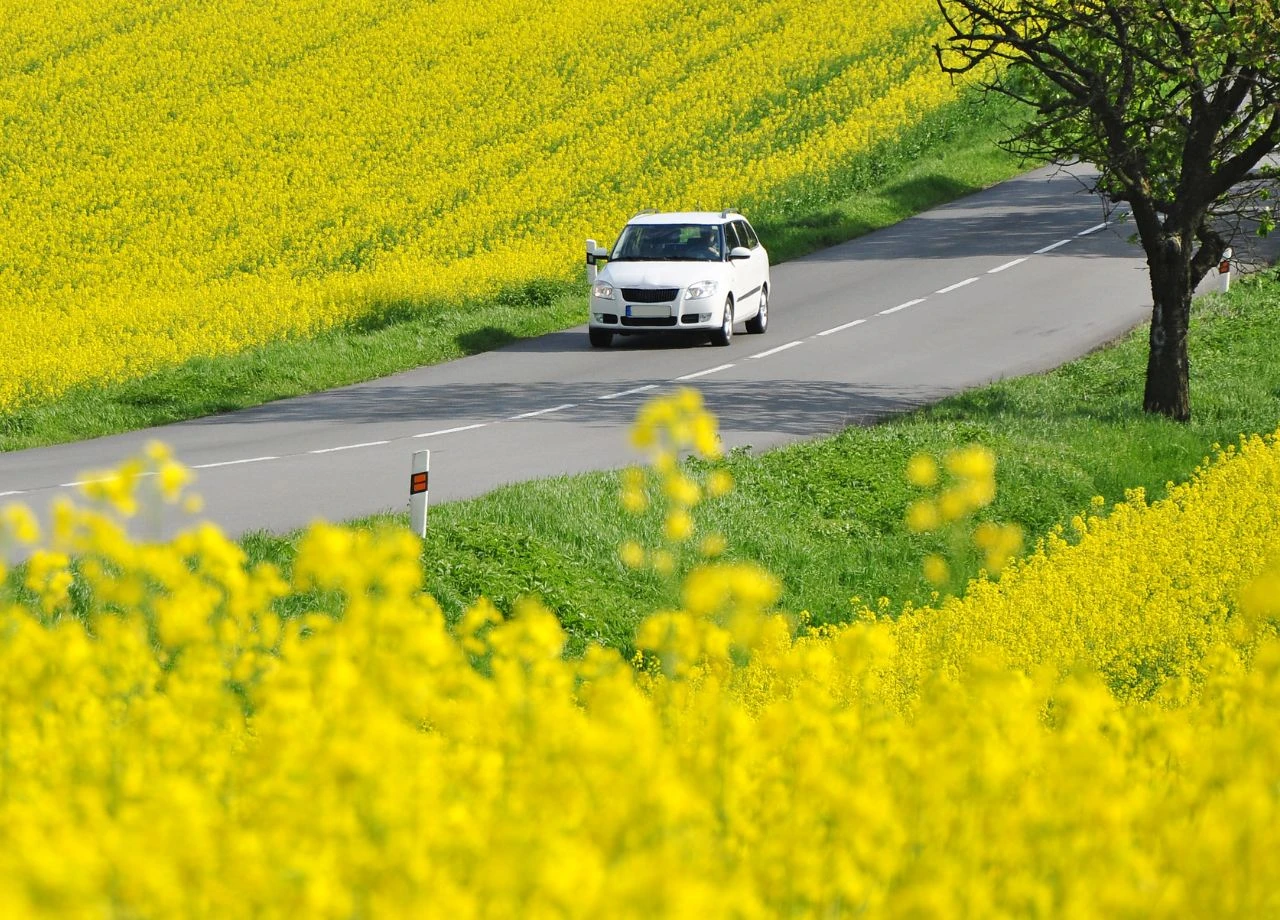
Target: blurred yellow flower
(923, 516)
(720, 482)
(936, 570)
(922, 471)
(682, 490)
(631, 554)
(634, 501)
(713, 545)
(186, 734)
(21, 523)
(679, 526)
(971, 462)
(1260, 597)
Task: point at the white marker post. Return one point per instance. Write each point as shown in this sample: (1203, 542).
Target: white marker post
(418, 491)
(1224, 271)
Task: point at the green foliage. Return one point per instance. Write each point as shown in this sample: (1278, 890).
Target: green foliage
(827, 515)
(1160, 95)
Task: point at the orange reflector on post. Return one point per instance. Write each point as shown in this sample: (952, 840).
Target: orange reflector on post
(1224, 266)
(418, 491)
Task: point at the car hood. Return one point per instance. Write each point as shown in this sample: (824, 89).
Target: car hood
(660, 274)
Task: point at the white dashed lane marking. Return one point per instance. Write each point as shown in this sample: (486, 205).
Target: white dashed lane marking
(946, 290)
(538, 412)
(710, 370)
(909, 303)
(842, 327)
(432, 434)
(774, 351)
(1000, 268)
(209, 466)
(651, 386)
(330, 450)
(955, 287)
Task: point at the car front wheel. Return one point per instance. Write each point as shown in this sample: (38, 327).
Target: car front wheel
(760, 322)
(600, 338)
(724, 335)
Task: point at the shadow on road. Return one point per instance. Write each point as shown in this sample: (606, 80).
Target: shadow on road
(576, 340)
(791, 407)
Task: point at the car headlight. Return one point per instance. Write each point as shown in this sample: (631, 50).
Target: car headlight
(602, 290)
(700, 289)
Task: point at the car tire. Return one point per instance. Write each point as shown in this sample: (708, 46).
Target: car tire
(724, 335)
(600, 338)
(760, 322)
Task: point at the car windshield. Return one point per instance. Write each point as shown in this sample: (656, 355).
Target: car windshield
(669, 243)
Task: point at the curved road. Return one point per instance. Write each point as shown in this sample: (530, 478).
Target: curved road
(1011, 280)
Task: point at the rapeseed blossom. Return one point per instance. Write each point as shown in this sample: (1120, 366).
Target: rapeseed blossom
(196, 179)
(1096, 734)
(667, 429)
(971, 486)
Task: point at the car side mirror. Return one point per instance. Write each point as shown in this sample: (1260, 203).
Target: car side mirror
(739, 252)
(595, 254)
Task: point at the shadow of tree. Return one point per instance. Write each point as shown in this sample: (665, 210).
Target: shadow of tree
(487, 338)
(783, 406)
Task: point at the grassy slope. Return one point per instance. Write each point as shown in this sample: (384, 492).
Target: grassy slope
(950, 153)
(827, 515)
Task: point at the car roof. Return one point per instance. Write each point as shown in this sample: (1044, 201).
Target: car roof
(687, 217)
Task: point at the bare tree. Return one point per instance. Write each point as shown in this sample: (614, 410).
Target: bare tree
(1176, 102)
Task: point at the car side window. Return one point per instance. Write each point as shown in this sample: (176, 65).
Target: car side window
(748, 236)
(731, 238)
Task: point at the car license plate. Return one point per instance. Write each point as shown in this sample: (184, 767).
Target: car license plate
(648, 309)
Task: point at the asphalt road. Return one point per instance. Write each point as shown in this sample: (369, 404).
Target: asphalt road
(1015, 279)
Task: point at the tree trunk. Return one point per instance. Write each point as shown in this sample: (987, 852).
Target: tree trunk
(1168, 389)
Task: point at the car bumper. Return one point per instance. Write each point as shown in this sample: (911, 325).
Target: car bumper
(687, 316)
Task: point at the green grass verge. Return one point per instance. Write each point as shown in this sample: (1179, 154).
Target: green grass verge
(949, 153)
(826, 516)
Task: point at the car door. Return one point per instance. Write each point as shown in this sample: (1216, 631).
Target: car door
(740, 272)
(753, 272)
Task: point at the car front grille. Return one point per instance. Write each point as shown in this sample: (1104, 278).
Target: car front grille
(648, 320)
(650, 295)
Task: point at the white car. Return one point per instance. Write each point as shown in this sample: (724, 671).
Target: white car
(699, 272)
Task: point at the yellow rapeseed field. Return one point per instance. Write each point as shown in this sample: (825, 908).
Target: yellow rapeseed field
(193, 179)
(1095, 735)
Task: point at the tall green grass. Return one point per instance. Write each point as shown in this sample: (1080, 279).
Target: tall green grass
(827, 516)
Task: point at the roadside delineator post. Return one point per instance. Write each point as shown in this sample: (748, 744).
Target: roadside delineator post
(418, 474)
(1224, 271)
